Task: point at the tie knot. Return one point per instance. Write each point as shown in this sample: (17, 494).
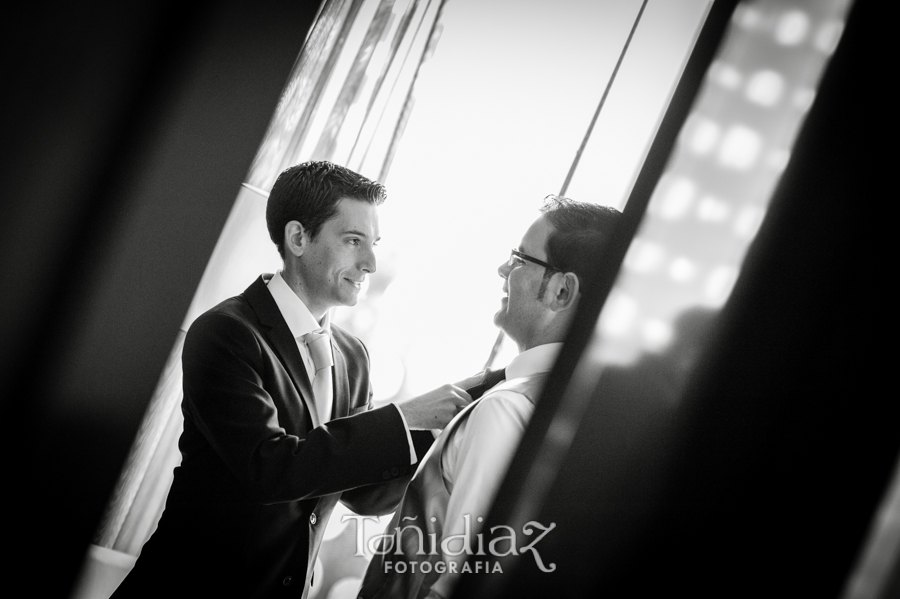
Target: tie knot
(319, 344)
(490, 379)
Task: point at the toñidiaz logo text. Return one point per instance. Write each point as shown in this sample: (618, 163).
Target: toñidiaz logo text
(410, 540)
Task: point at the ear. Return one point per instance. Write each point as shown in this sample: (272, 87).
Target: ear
(295, 238)
(565, 294)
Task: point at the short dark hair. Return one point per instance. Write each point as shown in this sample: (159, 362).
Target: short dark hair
(309, 193)
(579, 233)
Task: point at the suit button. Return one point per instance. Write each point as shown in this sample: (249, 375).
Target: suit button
(394, 471)
(287, 581)
(312, 518)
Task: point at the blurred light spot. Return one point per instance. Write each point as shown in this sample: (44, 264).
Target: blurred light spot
(746, 17)
(765, 88)
(778, 159)
(712, 209)
(561, 431)
(826, 38)
(644, 256)
(803, 98)
(718, 285)
(682, 270)
(740, 148)
(792, 28)
(747, 222)
(618, 315)
(704, 137)
(677, 199)
(345, 588)
(656, 334)
(726, 75)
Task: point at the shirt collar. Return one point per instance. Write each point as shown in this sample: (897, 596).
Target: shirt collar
(297, 316)
(533, 361)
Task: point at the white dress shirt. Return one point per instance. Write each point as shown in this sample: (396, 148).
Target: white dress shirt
(300, 321)
(298, 318)
(478, 454)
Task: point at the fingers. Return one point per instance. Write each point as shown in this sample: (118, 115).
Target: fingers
(460, 394)
(471, 381)
(451, 391)
(436, 408)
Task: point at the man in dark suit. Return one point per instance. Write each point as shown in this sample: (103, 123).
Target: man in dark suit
(278, 421)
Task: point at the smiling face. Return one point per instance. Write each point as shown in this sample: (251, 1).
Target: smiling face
(330, 269)
(523, 314)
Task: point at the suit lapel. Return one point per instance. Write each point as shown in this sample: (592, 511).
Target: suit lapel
(341, 382)
(282, 342)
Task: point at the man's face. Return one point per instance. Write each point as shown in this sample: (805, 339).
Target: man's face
(522, 314)
(335, 264)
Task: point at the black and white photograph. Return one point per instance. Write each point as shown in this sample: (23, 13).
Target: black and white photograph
(448, 299)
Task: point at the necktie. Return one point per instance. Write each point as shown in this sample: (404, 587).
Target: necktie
(319, 344)
(491, 378)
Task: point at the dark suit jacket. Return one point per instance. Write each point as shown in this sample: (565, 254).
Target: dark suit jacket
(257, 483)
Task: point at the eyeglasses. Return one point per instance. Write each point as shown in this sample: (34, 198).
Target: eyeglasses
(515, 258)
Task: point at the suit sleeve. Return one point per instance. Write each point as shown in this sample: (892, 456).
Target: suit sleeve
(382, 499)
(225, 399)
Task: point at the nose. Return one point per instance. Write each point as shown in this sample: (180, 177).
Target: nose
(503, 269)
(367, 260)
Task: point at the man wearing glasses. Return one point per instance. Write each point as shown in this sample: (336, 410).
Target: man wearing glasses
(425, 547)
